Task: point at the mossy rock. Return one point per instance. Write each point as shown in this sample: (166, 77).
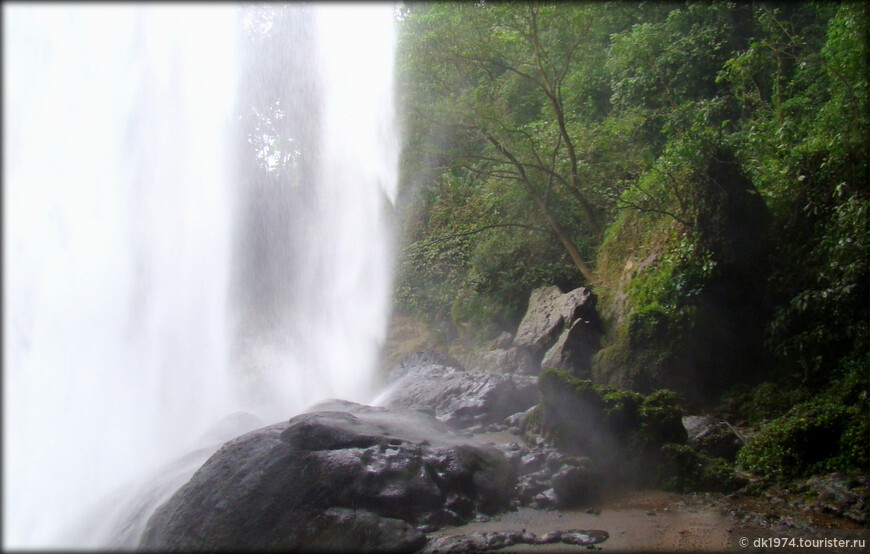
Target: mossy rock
(573, 416)
(662, 418)
(648, 354)
(622, 410)
(621, 430)
(691, 317)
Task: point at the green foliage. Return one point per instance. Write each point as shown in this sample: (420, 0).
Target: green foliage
(825, 319)
(672, 281)
(621, 409)
(661, 417)
(686, 121)
(826, 433)
(662, 64)
(768, 401)
(473, 102)
(684, 469)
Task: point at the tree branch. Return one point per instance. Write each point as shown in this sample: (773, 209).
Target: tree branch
(452, 236)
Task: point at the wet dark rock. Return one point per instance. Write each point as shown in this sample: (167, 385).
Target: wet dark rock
(545, 499)
(413, 360)
(533, 461)
(514, 422)
(480, 541)
(333, 477)
(345, 530)
(462, 399)
(547, 478)
(584, 538)
(575, 484)
(551, 537)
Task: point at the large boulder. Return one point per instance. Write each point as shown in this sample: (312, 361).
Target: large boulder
(714, 339)
(462, 398)
(342, 475)
(623, 432)
(575, 348)
(513, 359)
(562, 328)
(549, 312)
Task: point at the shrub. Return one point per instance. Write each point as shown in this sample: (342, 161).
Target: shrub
(826, 433)
(683, 469)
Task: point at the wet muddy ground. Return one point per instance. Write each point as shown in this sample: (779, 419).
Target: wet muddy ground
(652, 520)
(640, 521)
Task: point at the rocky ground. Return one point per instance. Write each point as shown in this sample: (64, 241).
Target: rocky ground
(656, 520)
(447, 463)
(636, 520)
(652, 520)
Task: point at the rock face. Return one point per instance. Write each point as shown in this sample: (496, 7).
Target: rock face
(413, 360)
(341, 476)
(575, 348)
(460, 398)
(564, 330)
(513, 359)
(718, 341)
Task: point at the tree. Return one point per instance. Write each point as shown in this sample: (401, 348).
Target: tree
(495, 76)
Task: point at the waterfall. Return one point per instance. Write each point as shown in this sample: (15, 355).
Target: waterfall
(311, 289)
(195, 224)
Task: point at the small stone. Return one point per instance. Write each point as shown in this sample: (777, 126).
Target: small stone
(551, 537)
(576, 537)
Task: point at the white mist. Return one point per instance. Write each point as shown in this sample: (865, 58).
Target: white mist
(119, 213)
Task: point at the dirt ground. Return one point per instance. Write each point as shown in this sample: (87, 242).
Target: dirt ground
(654, 520)
(636, 521)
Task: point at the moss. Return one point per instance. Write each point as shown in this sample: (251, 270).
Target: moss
(662, 418)
(621, 430)
(622, 411)
(647, 353)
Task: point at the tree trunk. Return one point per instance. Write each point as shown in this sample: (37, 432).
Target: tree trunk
(560, 233)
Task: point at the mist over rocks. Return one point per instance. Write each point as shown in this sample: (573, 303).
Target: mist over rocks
(328, 478)
(413, 360)
(460, 398)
